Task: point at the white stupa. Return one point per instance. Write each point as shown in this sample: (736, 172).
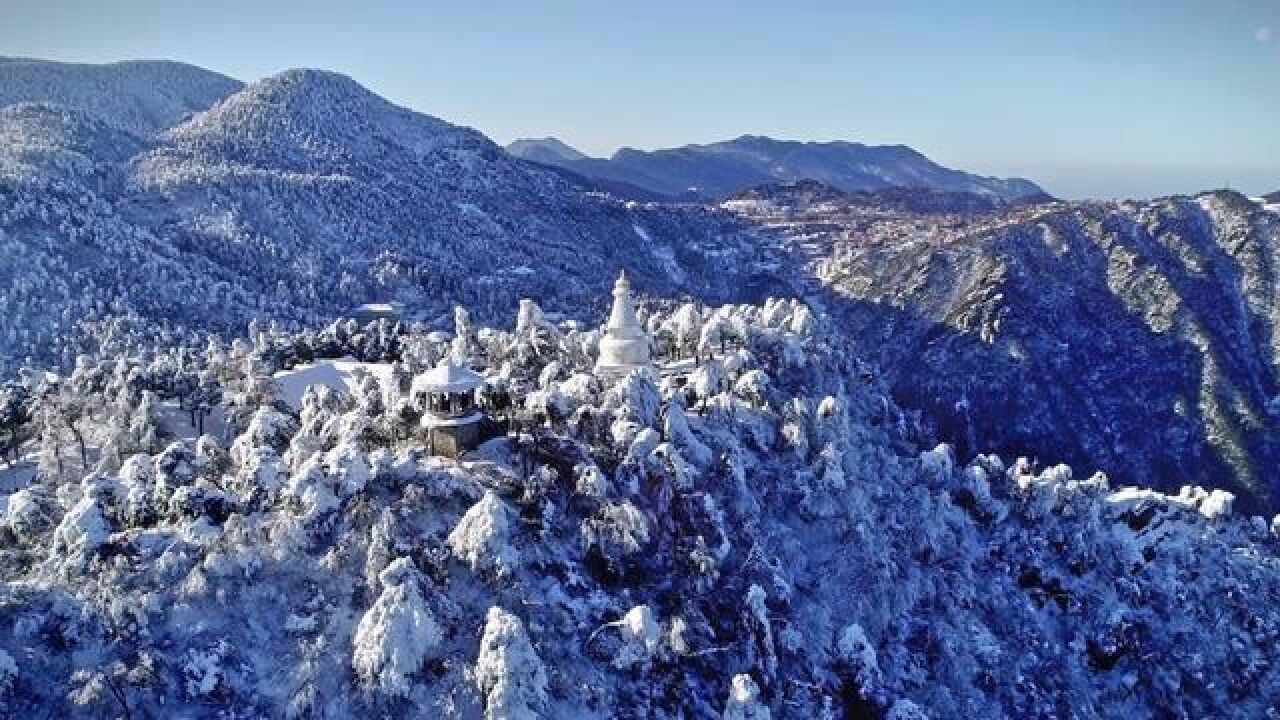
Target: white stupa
(625, 345)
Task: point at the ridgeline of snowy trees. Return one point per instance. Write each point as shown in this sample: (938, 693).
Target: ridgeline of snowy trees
(762, 534)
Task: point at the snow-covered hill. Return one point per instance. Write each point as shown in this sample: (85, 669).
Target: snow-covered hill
(300, 196)
(139, 97)
(768, 539)
(295, 199)
(724, 168)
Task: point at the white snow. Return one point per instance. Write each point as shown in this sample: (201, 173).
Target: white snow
(338, 375)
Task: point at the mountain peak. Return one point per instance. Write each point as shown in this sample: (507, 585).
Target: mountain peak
(546, 150)
(316, 120)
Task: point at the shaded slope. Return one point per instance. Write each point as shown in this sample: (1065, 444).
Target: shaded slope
(1140, 339)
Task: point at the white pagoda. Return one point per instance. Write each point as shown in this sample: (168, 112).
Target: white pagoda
(452, 421)
(625, 345)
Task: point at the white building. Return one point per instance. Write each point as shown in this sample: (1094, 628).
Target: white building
(625, 345)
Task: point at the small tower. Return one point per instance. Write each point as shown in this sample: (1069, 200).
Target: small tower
(450, 417)
(625, 345)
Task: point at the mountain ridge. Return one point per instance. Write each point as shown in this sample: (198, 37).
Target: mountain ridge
(723, 168)
(1134, 337)
(139, 96)
(547, 150)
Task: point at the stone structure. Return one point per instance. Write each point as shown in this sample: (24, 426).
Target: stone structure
(625, 345)
(451, 420)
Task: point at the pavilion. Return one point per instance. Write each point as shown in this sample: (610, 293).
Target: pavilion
(451, 419)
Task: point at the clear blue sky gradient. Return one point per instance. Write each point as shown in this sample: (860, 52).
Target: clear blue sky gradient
(1091, 99)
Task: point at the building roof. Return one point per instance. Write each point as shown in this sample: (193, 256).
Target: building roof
(447, 378)
(431, 421)
(392, 309)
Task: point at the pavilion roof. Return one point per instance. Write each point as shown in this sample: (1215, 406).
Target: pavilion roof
(447, 378)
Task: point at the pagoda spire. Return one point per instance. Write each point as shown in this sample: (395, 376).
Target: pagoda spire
(625, 345)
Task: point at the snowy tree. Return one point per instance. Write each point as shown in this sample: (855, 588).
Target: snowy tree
(31, 511)
(761, 650)
(397, 634)
(461, 350)
(753, 386)
(685, 325)
(640, 635)
(8, 671)
(482, 538)
(508, 671)
(905, 710)
(84, 529)
(857, 652)
(15, 419)
(744, 701)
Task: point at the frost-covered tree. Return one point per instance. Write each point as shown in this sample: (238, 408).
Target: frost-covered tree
(482, 538)
(397, 634)
(508, 671)
(744, 701)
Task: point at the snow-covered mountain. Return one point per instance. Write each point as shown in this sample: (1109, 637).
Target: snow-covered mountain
(294, 199)
(770, 539)
(140, 97)
(770, 530)
(297, 197)
(548, 151)
(1137, 338)
(720, 169)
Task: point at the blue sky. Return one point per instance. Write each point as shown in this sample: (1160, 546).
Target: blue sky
(1091, 99)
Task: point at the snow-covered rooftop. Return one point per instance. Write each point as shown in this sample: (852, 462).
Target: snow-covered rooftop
(447, 378)
(429, 420)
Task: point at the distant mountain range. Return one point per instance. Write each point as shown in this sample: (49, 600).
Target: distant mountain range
(1273, 197)
(721, 169)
